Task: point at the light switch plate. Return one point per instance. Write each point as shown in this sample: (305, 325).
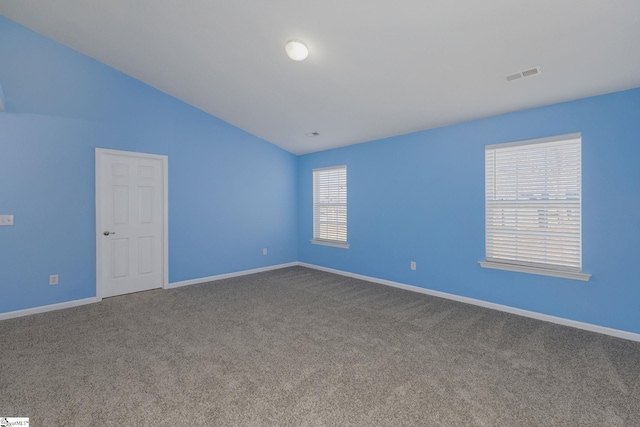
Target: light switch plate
(6, 219)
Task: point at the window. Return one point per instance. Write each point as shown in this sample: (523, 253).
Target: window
(330, 206)
(533, 206)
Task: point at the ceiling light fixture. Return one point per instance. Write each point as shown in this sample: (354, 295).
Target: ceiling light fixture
(296, 50)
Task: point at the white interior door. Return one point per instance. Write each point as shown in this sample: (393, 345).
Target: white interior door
(131, 223)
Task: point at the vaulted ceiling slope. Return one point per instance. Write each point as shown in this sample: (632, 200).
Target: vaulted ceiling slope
(376, 68)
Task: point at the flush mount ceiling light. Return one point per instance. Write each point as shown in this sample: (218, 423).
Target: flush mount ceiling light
(296, 50)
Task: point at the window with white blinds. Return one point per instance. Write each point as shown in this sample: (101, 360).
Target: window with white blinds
(533, 206)
(330, 206)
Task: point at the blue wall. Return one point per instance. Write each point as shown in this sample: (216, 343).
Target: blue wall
(230, 193)
(417, 197)
(420, 197)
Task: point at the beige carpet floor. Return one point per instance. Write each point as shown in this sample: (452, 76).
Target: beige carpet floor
(300, 347)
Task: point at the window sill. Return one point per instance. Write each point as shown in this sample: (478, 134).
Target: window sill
(328, 243)
(533, 270)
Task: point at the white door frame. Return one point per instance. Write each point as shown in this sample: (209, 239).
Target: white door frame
(165, 213)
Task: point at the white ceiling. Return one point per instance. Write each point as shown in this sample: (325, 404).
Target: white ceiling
(376, 68)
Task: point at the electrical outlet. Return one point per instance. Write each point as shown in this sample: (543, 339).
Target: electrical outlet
(413, 265)
(53, 279)
(264, 251)
(6, 219)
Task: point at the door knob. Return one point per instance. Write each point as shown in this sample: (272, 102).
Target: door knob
(106, 233)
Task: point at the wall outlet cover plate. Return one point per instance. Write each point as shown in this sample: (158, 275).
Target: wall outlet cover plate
(6, 219)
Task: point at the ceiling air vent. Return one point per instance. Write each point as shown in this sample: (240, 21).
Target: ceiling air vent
(526, 73)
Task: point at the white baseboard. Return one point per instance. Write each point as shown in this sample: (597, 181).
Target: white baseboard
(75, 303)
(520, 312)
(45, 308)
(229, 275)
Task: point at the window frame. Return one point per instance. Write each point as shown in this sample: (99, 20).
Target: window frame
(513, 264)
(317, 206)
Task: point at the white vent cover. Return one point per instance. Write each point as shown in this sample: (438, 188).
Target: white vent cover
(526, 73)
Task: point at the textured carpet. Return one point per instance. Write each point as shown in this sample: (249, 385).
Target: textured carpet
(299, 347)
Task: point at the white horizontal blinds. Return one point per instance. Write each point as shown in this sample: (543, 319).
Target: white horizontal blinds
(330, 204)
(533, 200)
